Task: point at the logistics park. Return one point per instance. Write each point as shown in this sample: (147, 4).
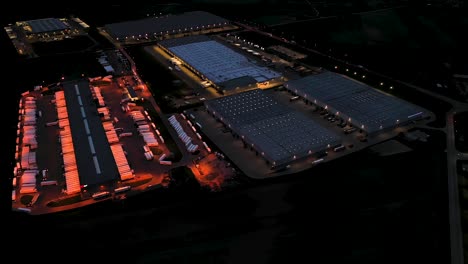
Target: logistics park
(104, 138)
(25, 34)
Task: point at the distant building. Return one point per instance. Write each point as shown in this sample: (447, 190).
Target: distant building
(355, 102)
(45, 25)
(225, 68)
(165, 26)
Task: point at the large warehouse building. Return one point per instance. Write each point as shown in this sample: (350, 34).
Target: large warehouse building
(222, 66)
(166, 25)
(45, 25)
(94, 159)
(276, 132)
(355, 102)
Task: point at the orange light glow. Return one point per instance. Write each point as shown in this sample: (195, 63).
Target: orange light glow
(211, 172)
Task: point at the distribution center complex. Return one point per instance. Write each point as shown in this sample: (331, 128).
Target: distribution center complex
(275, 131)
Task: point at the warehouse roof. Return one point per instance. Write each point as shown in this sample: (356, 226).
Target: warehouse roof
(173, 42)
(274, 129)
(94, 158)
(216, 61)
(164, 24)
(46, 25)
(369, 108)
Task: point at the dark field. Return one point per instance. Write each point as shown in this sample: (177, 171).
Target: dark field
(76, 44)
(423, 46)
(377, 211)
(461, 131)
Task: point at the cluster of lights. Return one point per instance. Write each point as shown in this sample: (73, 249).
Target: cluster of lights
(363, 76)
(174, 30)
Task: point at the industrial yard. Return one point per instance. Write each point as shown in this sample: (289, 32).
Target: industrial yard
(32, 38)
(244, 111)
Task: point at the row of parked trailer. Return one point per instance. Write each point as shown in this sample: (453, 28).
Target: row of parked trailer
(26, 167)
(125, 172)
(27, 121)
(148, 153)
(96, 93)
(163, 161)
(144, 129)
(70, 167)
(182, 134)
(195, 130)
(28, 181)
(105, 194)
(111, 134)
(150, 156)
(145, 126)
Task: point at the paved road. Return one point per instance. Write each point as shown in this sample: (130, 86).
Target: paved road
(456, 231)
(186, 156)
